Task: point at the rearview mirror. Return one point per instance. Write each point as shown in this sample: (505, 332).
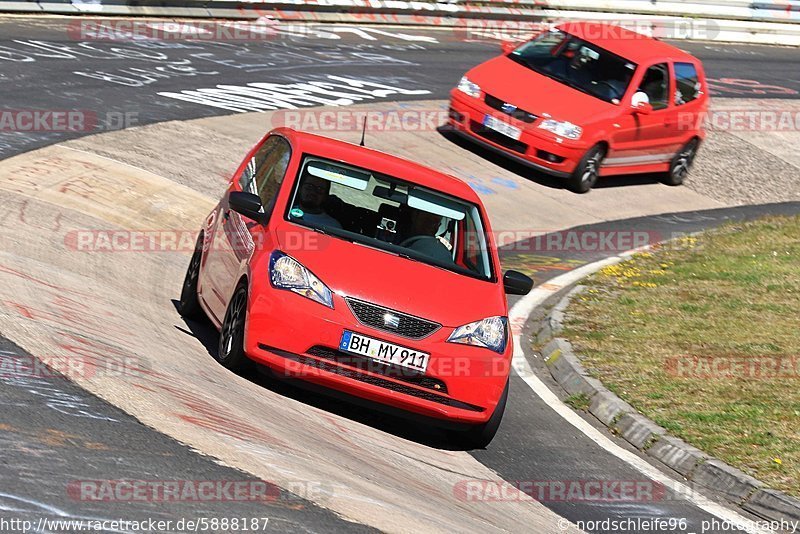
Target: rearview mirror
(246, 204)
(508, 46)
(516, 283)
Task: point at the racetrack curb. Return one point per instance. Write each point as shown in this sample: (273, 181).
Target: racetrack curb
(649, 438)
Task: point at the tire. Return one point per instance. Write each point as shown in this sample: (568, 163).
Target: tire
(479, 436)
(189, 306)
(681, 163)
(586, 173)
(230, 352)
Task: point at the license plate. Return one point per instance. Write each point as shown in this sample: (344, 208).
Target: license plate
(384, 352)
(502, 127)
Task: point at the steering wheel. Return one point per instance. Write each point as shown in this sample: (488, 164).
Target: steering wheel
(615, 90)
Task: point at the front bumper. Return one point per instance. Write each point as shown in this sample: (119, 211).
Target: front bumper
(536, 149)
(299, 338)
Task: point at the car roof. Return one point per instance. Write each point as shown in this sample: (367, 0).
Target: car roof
(378, 161)
(626, 43)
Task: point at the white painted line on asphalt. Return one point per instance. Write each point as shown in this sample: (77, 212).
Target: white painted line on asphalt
(519, 315)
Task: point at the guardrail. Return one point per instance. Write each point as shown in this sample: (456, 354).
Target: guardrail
(764, 22)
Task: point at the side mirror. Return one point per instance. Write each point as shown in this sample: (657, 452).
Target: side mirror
(516, 283)
(246, 204)
(640, 103)
(508, 46)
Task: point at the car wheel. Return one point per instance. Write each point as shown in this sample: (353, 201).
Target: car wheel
(231, 338)
(479, 436)
(189, 306)
(587, 172)
(681, 163)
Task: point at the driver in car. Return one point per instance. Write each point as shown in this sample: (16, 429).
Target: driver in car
(314, 192)
(570, 63)
(422, 230)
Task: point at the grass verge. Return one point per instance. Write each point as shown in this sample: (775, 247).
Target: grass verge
(703, 337)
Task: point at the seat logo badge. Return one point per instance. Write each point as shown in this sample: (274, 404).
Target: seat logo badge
(508, 108)
(391, 321)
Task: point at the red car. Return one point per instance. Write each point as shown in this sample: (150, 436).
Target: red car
(361, 272)
(585, 100)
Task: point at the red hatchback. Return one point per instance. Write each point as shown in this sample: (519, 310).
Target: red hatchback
(361, 272)
(585, 100)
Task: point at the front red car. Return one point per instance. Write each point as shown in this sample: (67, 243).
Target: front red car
(373, 276)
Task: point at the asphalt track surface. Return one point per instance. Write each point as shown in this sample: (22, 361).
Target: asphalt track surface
(44, 75)
(43, 66)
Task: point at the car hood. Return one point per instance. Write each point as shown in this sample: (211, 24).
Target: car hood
(516, 84)
(412, 287)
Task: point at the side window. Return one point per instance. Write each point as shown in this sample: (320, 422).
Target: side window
(264, 173)
(687, 83)
(656, 85)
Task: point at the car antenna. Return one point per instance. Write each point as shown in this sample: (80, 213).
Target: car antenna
(363, 132)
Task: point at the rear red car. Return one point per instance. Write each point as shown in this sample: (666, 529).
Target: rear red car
(361, 272)
(586, 100)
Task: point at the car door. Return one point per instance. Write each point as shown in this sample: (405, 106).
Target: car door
(641, 138)
(236, 237)
(688, 97)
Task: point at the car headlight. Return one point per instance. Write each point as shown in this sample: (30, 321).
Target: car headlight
(563, 129)
(466, 86)
(287, 273)
(491, 333)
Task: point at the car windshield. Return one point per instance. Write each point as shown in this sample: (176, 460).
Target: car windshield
(390, 214)
(577, 63)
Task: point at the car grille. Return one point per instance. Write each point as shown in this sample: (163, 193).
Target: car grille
(497, 137)
(519, 114)
(407, 325)
(368, 364)
(378, 381)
